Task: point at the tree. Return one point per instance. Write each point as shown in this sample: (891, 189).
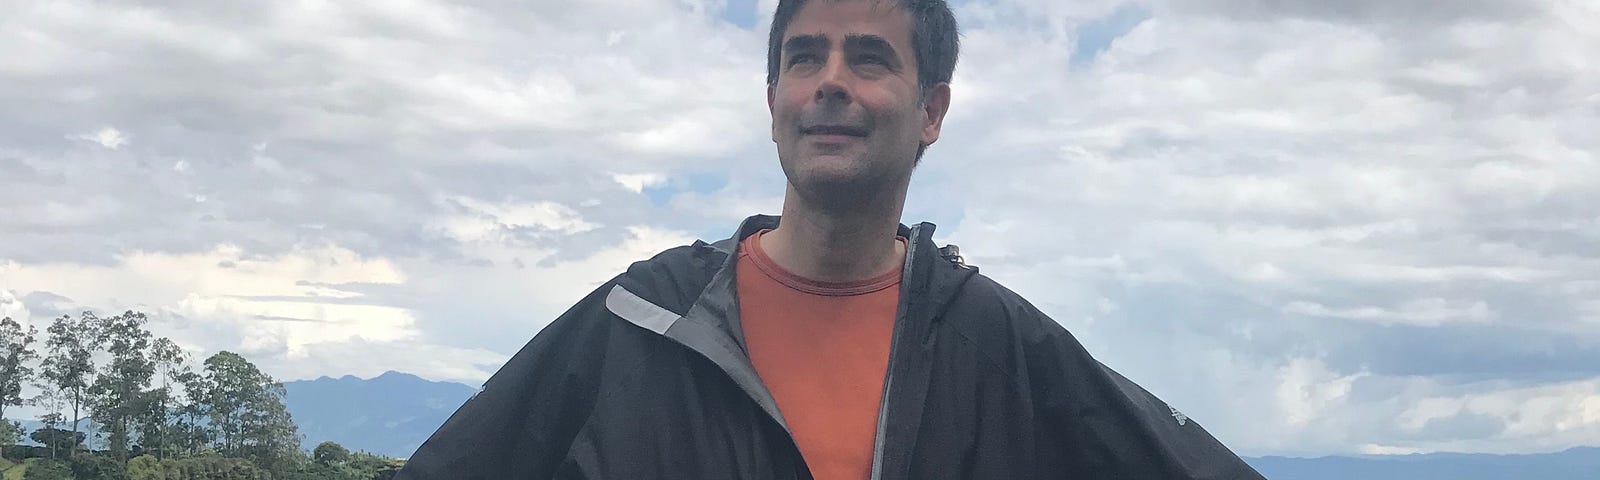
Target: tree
(171, 365)
(10, 434)
(145, 467)
(190, 431)
(118, 398)
(375, 467)
(48, 470)
(330, 453)
(89, 466)
(16, 351)
(210, 466)
(57, 439)
(70, 360)
(51, 419)
(245, 411)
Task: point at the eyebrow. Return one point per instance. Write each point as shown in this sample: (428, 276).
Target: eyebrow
(873, 43)
(805, 42)
(855, 42)
(851, 42)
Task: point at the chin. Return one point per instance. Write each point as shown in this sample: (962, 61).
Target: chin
(836, 182)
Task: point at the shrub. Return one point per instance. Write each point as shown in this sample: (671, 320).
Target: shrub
(146, 467)
(89, 466)
(47, 470)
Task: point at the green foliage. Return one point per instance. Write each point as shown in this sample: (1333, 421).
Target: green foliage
(330, 453)
(10, 433)
(214, 467)
(51, 419)
(211, 466)
(16, 350)
(69, 360)
(224, 422)
(146, 467)
(89, 466)
(332, 461)
(190, 433)
(160, 424)
(12, 471)
(19, 453)
(323, 472)
(246, 412)
(42, 469)
(117, 396)
(57, 439)
(376, 467)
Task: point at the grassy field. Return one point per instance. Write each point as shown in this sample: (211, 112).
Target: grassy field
(13, 471)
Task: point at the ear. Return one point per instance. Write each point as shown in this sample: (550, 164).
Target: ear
(771, 92)
(935, 106)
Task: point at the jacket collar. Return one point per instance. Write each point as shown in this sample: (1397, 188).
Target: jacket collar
(756, 223)
(712, 328)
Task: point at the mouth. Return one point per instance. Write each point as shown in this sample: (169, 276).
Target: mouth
(840, 130)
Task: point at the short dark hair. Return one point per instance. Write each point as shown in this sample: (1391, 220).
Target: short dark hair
(934, 39)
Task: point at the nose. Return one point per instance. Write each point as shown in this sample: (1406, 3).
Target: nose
(833, 83)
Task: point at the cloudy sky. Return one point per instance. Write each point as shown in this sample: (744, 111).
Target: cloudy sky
(1363, 226)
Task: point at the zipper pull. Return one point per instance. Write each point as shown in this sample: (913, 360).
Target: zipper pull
(953, 253)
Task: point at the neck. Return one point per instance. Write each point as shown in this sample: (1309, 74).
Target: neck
(838, 244)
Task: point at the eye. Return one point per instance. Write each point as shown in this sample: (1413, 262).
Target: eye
(872, 59)
(802, 58)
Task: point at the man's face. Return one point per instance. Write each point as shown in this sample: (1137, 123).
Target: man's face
(846, 111)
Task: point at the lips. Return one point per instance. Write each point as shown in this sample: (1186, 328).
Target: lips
(834, 130)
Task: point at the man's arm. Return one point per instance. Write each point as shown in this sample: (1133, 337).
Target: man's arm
(523, 421)
(1113, 428)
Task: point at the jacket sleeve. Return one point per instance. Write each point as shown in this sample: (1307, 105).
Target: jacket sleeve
(1109, 426)
(523, 421)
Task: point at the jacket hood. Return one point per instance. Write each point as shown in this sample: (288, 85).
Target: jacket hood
(702, 313)
(932, 275)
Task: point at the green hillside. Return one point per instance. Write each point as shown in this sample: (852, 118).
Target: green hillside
(13, 471)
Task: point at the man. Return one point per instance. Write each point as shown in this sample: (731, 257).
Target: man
(835, 344)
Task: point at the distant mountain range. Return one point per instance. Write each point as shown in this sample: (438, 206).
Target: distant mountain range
(392, 414)
(1582, 463)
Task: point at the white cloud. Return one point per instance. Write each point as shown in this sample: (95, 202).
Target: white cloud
(1298, 180)
(107, 137)
(1266, 213)
(636, 182)
(275, 301)
(477, 220)
(1425, 311)
(1307, 389)
(367, 359)
(12, 307)
(1375, 449)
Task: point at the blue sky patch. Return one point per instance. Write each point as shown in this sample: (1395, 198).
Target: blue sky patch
(661, 194)
(741, 13)
(1096, 36)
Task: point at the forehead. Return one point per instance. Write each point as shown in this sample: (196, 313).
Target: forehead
(836, 19)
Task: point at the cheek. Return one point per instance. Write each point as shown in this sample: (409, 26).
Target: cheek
(788, 96)
(785, 109)
(890, 114)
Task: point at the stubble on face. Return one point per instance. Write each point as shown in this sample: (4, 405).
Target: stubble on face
(847, 112)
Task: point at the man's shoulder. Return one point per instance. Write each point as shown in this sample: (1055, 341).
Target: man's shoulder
(993, 315)
(674, 277)
(983, 294)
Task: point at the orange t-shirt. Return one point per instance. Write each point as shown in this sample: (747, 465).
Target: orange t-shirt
(822, 349)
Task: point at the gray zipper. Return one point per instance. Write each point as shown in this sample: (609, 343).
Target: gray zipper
(696, 330)
(894, 346)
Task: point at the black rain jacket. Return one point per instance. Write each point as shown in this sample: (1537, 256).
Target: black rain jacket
(649, 378)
